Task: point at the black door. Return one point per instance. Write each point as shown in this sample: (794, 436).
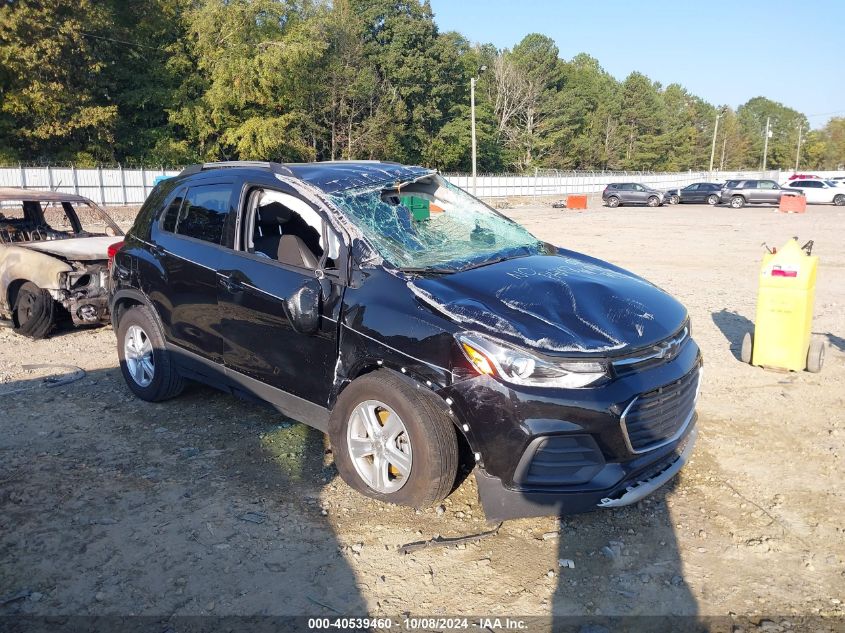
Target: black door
(187, 251)
(275, 267)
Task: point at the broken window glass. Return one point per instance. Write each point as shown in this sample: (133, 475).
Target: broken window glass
(431, 224)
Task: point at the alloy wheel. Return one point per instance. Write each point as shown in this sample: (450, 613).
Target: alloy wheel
(138, 353)
(379, 446)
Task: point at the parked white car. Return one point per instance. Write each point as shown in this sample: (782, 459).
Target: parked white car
(819, 191)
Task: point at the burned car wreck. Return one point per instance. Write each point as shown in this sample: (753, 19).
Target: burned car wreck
(416, 326)
(53, 260)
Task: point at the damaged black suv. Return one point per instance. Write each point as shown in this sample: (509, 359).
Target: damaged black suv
(408, 320)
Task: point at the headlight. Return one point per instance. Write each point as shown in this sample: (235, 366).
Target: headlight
(520, 367)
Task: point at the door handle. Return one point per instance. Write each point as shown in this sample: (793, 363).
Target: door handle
(157, 250)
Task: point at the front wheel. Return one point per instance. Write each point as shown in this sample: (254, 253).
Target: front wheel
(674, 199)
(712, 199)
(146, 364)
(737, 202)
(613, 202)
(34, 311)
(839, 200)
(391, 441)
(654, 201)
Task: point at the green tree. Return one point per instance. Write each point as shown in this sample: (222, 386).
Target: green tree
(55, 101)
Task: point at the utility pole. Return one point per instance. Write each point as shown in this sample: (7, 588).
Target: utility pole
(472, 82)
(798, 152)
(472, 116)
(766, 142)
(713, 146)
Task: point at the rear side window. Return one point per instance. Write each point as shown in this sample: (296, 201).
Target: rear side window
(201, 214)
(749, 184)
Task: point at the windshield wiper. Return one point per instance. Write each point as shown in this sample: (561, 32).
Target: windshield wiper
(427, 269)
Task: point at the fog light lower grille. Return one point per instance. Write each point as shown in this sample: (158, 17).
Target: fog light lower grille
(559, 460)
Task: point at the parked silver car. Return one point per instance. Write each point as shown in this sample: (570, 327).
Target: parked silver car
(738, 193)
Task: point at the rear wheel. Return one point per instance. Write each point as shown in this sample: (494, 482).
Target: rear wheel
(815, 356)
(713, 199)
(839, 200)
(653, 201)
(613, 202)
(34, 311)
(147, 366)
(392, 442)
(737, 202)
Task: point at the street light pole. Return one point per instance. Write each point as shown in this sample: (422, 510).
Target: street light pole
(766, 142)
(472, 83)
(798, 152)
(472, 116)
(713, 146)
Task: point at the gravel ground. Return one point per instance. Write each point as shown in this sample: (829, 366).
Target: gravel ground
(209, 505)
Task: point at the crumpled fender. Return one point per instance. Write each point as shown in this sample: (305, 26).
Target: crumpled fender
(18, 263)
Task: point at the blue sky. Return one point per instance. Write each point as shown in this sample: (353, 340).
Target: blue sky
(725, 52)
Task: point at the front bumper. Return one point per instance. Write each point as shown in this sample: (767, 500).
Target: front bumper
(554, 452)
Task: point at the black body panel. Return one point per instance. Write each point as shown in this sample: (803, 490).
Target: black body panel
(231, 319)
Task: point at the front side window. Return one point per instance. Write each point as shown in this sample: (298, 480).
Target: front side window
(431, 224)
(691, 188)
(201, 214)
(285, 228)
(767, 184)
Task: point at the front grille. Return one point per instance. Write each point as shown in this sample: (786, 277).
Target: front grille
(658, 417)
(560, 460)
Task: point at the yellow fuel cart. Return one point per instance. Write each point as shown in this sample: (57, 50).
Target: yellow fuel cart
(782, 331)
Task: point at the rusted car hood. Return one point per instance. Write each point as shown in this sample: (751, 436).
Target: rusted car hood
(75, 249)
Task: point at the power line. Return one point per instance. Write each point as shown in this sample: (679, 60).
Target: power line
(825, 113)
(111, 39)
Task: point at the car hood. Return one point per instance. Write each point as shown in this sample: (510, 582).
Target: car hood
(558, 303)
(76, 248)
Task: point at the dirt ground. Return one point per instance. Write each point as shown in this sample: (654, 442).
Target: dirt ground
(209, 505)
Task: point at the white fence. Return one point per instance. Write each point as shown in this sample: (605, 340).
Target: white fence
(572, 182)
(104, 186)
(131, 186)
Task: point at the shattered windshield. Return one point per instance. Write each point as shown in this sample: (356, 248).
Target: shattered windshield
(430, 224)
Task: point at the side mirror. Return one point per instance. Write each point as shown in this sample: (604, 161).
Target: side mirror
(303, 307)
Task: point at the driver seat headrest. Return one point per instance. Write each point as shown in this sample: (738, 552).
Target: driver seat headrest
(294, 252)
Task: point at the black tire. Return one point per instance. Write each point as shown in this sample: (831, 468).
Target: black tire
(674, 199)
(737, 202)
(712, 199)
(613, 202)
(35, 311)
(747, 347)
(815, 356)
(839, 200)
(430, 431)
(166, 382)
(653, 201)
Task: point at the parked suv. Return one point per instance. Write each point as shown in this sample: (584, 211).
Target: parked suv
(820, 191)
(738, 193)
(383, 305)
(618, 193)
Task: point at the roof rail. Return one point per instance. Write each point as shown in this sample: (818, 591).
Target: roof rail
(276, 168)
